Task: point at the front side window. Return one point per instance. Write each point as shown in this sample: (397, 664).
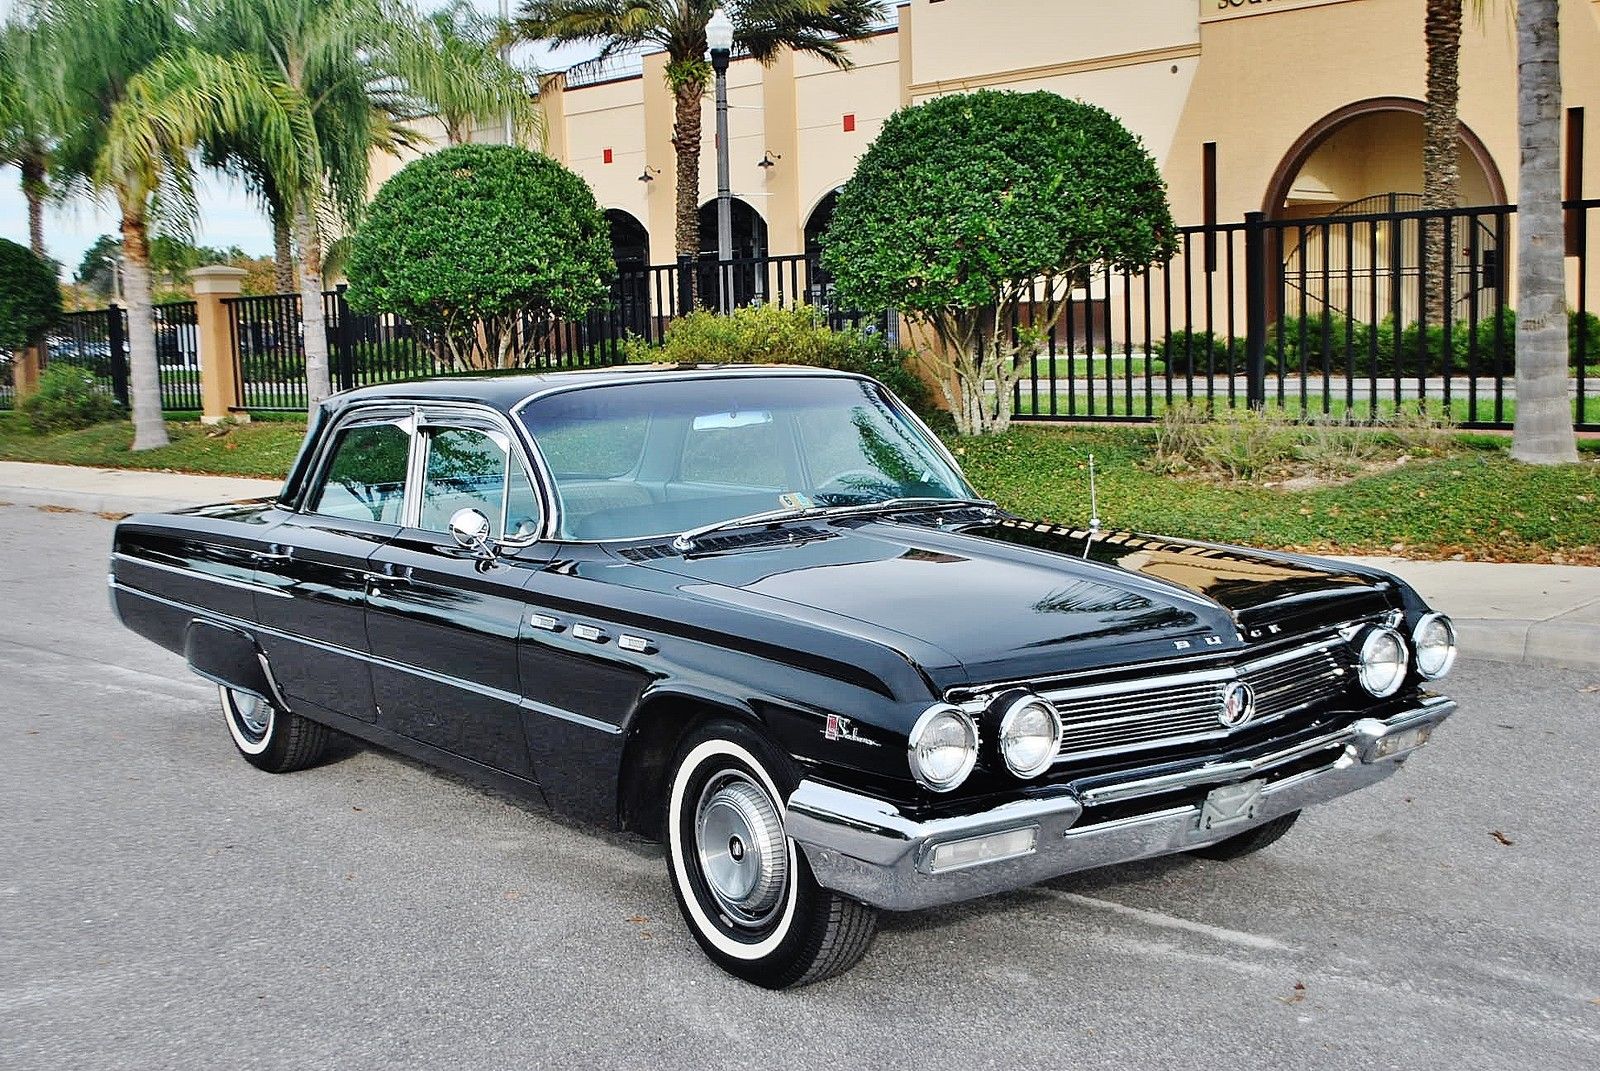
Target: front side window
(685, 453)
(366, 476)
(470, 468)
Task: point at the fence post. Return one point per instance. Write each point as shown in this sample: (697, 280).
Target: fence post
(1255, 308)
(25, 371)
(219, 364)
(117, 353)
(686, 266)
(344, 339)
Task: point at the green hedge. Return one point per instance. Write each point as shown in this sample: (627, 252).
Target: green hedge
(768, 334)
(1353, 346)
(67, 399)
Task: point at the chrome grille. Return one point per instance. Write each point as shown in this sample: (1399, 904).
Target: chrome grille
(1184, 708)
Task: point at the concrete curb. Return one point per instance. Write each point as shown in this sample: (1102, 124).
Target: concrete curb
(91, 502)
(1554, 644)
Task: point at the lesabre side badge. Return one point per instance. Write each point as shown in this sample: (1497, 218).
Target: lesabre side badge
(839, 728)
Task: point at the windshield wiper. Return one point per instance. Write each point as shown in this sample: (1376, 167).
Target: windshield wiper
(685, 541)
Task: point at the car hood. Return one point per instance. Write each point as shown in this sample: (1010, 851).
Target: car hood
(1012, 599)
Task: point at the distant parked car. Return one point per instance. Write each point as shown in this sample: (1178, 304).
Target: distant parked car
(760, 615)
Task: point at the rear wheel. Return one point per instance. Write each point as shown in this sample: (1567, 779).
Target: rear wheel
(743, 887)
(270, 738)
(1251, 840)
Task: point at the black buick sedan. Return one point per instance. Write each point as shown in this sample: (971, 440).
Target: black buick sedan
(760, 615)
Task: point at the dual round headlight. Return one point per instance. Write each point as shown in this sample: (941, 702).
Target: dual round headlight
(943, 747)
(1025, 737)
(1382, 661)
(1434, 640)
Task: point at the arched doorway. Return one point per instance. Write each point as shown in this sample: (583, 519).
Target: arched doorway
(817, 223)
(745, 280)
(1365, 149)
(1351, 171)
(630, 248)
(630, 241)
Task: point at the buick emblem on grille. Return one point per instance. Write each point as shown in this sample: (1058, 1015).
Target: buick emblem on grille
(1238, 704)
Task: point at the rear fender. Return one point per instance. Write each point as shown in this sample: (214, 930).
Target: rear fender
(230, 657)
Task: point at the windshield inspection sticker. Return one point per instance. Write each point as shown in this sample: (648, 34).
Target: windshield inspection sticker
(795, 500)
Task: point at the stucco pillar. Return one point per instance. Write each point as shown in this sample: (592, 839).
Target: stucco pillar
(25, 373)
(219, 365)
(785, 227)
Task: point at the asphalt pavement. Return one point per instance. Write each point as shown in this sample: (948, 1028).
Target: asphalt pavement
(164, 905)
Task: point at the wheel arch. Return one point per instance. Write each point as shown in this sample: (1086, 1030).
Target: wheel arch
(662, 719)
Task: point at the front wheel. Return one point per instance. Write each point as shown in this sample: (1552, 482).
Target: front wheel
(270, 738)
(743, 887)
(1250, 841)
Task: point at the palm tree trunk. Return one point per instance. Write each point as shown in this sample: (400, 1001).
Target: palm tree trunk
(1543, 434)
(313, 321)
(686, 143)
(34, 189)
(1441, 147)
(282, 253)
(144, 374)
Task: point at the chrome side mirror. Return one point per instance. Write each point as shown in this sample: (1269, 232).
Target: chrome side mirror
(471, 530)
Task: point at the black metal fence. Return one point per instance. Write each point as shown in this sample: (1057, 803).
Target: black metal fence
(268, 336)
(97, 341)
(1318, 318)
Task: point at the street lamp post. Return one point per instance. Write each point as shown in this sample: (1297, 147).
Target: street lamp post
(719, 38)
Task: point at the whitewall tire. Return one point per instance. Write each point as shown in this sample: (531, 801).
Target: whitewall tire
(742, 886)
(269, 737)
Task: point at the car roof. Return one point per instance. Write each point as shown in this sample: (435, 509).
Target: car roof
(505, 392)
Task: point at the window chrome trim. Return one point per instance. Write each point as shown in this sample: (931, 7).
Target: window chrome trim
(718, 372)
(420, 413)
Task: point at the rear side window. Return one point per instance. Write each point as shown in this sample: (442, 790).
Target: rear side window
(366, 477)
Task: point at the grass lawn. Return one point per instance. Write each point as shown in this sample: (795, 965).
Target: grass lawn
(1119, 403)
(1476, 501)
(1472, 500)
(258, 449)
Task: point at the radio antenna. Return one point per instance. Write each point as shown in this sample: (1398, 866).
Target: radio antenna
(1094, 510)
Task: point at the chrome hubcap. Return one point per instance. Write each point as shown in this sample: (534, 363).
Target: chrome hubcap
(252, 713)
(743, 853)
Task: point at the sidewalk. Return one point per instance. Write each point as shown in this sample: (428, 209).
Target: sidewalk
(120, 490)
(1538, 615)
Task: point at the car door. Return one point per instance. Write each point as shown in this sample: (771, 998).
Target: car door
(442, 620)
(316, 640)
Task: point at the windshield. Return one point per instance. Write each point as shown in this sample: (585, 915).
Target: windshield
(652, 458)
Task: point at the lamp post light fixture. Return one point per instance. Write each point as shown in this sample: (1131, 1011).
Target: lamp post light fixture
(719, 39)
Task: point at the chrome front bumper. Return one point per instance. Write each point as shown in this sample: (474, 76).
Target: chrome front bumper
(868, 850)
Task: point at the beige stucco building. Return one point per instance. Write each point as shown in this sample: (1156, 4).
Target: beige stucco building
(1310, 104)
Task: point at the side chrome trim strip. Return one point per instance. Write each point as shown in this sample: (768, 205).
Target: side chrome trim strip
(497, 694)
(194, 574)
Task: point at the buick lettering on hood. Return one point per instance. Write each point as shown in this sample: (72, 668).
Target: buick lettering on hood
(759, 615)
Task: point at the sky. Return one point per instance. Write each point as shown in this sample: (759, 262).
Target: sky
(228, 216)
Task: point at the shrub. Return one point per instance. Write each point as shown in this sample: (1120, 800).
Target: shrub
(67, 398)
(465, 241)
(768, 334)
(30, 300)
(972, 212)
(1187, 353)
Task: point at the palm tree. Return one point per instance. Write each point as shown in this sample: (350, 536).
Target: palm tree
(1441, 145)
(336, 55)
(449, 63)
(111, 42)
(1543, 433)
(761, 28)
(25, 120)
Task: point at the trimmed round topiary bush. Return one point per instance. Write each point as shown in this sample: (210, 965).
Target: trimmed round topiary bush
(976, 214)
(30, 299)
(476, 241)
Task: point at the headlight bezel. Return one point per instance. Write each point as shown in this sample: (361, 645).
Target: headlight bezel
(1452, 651)
(1367, 639)
(1009, 716)
(914, 742)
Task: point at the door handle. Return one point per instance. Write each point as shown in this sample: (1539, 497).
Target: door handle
(391, 571)
(275, 552)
